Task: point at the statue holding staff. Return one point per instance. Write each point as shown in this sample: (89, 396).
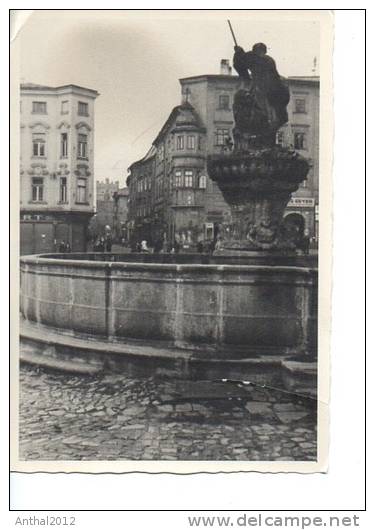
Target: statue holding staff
(260, 106)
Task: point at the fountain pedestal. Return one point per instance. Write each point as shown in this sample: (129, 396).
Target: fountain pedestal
(257, 185)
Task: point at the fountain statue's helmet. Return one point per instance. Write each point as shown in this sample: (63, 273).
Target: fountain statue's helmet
(256, 176)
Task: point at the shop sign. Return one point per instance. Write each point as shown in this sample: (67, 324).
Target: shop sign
(301, 202)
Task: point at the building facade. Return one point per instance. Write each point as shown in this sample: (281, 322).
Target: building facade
(56, 166)
(177, 198)
(104, 210)
(120, 215)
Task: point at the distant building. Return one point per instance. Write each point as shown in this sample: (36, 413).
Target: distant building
(302, 134)
(56, 167)
(104, 207)
(111, 210)
(105, 189)
(171, 195)
(120, 216)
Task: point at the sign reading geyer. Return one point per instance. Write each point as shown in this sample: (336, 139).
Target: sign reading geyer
(302, 202)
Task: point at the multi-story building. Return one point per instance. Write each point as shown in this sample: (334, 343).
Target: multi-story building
(111, 211)
(302, 134)
(120, 215)
(104, 209)
(57, 166)
(105, 189)
(177, 197)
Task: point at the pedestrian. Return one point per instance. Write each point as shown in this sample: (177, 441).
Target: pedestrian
(62, 246)
(177, 246)
(101, 244)
(108, 243)
(144, 247)
(68, 247)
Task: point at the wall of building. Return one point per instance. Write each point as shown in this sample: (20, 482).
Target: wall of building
(201, 211)
(50, 165)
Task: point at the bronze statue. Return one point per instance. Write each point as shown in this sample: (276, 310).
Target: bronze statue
(260, 105)
(257, 177)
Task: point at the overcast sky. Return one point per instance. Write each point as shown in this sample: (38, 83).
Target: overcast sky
(134, 61)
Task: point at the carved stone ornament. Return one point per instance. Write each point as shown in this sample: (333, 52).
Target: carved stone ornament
(83, 125)
(258, 177)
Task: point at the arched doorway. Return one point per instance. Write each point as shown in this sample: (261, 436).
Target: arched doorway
(294, 226)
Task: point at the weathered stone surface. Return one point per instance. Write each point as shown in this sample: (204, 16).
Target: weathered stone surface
(126, 430)
(288, 417)
(255, 407)
(150, 310)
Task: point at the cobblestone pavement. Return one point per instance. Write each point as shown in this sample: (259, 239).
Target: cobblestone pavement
(114, 417)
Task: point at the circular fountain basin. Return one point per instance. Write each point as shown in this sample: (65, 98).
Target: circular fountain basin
(106, 308)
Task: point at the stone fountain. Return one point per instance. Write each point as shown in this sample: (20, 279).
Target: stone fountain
(257, 177)
(228, 315)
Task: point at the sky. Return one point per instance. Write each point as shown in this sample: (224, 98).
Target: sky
(135, 59)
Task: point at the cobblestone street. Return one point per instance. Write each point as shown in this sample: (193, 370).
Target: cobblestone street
(114, 417)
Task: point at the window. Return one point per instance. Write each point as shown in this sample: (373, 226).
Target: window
(39, 107)
(200, 143)
(64, 145)
(188, 179)
(279, 138)
(190, 142)
(63, 190)
(83, 109)
(299, 140)
(222, 135)
(178, 179)
(180, 142)
(300, 106)
(82, 146)
(203, 182)
(64, 107)
(224, 102)
(39, 145)
(37, 189)
(81, 190)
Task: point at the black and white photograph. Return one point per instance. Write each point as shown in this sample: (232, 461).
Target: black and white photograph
(174, 198)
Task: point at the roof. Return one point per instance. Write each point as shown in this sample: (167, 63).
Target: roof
(184, 117)
(235, 78)
(211, 77)
(305, 78)
(35, 86)
(148, 156)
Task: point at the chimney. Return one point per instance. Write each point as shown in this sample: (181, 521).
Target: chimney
(225, 68)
